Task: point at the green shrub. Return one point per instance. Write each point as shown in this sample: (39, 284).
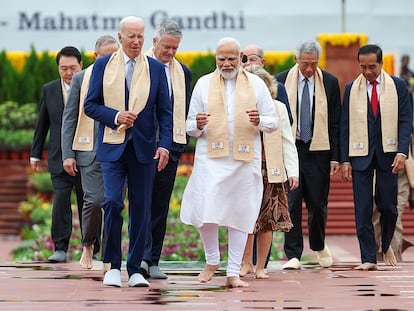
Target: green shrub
(41, 182)
(16, 139)
(30, 79)
(48, 72)
(17, 124)
(9, 82)
(201, 66)
(191, 144)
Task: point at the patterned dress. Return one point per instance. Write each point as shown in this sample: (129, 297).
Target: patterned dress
(274, 211)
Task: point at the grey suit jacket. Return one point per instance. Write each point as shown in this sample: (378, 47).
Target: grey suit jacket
(69, 123)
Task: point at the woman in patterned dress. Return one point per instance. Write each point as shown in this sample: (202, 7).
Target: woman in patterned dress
(274, 211)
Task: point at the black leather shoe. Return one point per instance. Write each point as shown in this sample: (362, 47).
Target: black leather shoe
(145, 269)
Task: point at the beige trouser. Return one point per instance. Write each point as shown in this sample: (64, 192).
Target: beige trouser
(397, 240)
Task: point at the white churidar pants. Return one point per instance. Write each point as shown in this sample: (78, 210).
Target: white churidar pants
(236, 244)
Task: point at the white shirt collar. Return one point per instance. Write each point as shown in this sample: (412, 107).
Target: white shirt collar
(301, 77)
(127, 58)
(378, 79)
(165, 64)
(67, 86)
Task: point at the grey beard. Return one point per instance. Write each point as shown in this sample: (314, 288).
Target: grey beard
(229, 75)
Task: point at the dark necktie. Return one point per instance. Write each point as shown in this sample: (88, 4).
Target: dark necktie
(130, 71)
(374, 98)
(305, 115)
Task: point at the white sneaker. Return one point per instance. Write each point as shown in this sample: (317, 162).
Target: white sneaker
(112, 278)
(325, 257)
(292, 264)
(137, 280)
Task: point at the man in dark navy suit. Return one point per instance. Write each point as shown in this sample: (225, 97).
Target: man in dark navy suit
(376, 123)
(128, 95)
(165, 44)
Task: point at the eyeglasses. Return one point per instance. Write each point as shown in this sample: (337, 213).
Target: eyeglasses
(246, 58)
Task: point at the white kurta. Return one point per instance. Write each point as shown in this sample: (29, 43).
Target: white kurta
(222, 190)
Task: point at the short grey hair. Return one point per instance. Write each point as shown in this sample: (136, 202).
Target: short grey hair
(308, 47)
(168, 27)
(104, 41)
(228, 40)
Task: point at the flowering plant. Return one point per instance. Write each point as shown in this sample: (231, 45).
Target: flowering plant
(181, 242)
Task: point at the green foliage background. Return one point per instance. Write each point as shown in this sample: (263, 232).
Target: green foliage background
(25, 86)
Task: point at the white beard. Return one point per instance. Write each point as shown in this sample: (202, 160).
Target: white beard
(229, 75)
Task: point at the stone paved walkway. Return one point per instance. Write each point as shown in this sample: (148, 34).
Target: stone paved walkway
(45, 286)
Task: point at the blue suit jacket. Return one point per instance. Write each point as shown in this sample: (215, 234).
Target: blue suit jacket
(157, 111)
(374, 130)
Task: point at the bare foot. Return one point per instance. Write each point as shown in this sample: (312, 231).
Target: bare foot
(367, 266)
(208, 272)
(106, 267)
(234, 281)
(246, 268)
(261, 274)
(389, 258)
(86, 258)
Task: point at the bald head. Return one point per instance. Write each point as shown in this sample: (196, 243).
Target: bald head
(253, 55)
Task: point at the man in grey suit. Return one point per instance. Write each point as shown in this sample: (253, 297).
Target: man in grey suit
(79, 150)
(52, 103)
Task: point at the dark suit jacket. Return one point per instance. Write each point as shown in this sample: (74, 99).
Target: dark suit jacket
(177, 149)
(333, 96)
(50, 118)
(374, 130)
(144, 129)
(70, 121)
(283, 97)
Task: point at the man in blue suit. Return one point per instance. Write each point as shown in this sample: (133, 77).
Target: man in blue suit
(128, 95)
(376, 122)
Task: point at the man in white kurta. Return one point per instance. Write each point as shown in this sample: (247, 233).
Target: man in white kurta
(223, 191)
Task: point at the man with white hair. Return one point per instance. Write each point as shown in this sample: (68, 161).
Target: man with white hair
(228, 110)
(128, 95)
